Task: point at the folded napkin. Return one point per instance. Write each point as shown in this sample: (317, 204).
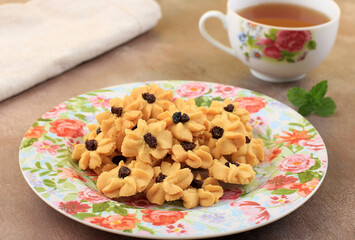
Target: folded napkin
(43, 38)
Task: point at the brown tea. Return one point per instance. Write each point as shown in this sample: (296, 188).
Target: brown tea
(283, 15)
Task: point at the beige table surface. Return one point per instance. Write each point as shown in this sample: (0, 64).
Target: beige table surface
(174, 49)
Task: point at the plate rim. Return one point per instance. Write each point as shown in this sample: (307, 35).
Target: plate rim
(201, 236)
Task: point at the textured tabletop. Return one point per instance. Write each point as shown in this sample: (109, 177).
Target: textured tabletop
(174, 49)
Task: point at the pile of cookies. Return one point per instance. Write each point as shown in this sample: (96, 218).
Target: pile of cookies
(169, 149)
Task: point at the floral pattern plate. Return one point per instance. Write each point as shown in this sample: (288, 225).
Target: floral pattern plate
(294, 167)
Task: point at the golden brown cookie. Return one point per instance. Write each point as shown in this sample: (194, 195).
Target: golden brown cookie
(229, 172)
(192, 154)
(152, 99)
(185, 120)
(202, 192)
(125, 180)
(168, 183)
(252, 152)
(124, 114)
(226, 137)
(217, 108)
(91, 153)
(147, 142)
(112, 161)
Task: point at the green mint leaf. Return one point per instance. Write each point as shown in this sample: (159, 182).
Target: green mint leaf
(318, 91)
(326, 108)
(306, 109)
(297, 96)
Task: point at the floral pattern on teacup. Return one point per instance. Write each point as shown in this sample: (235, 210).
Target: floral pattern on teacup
(273, 44)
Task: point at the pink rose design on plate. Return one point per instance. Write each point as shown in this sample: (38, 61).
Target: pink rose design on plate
(92, 196)
(67, 128)
(256, 212)
(304, 189)
(117, 222)
(54, 112)
(46, 146)
(279, 181)
(231, 194)
(100, 101)
(296, 163)
(225, 91)
(314, 144)
(251, 104)
(194, 89)
(292, 41)
(69, 173)
(72, 207)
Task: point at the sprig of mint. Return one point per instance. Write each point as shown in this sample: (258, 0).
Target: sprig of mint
(312, 101)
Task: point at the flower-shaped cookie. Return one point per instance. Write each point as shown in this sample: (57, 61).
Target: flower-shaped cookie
(147, 142)
(153, 100)
(226, 137)
(168, 183)
(202, 192)
(125, 108)
(111, 162)
(185, 120)
(229, 172)
(251, 152)
(123, 115)
(125, 180)
(192, 154)
(91, 153)
(217, 108)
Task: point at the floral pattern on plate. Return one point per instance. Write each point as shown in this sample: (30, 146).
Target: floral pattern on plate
(295, 165)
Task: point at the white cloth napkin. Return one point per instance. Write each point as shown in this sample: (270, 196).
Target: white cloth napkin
(43, 38)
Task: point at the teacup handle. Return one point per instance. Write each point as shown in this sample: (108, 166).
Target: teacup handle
(207, 36)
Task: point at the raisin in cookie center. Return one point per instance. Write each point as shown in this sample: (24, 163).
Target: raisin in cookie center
(229, 108)
(229, 163)
(196, 183)
(150, 140)
(91, 145)
(217, 132)
(117, 111)
(150, 98)
(177, 117)
(160, 178)
(124, 172)
(188, 145)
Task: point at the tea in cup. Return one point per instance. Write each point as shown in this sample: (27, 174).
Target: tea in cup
(279, 40)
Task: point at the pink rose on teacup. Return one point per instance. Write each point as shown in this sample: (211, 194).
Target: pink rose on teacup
(292, 41)
(272, 52)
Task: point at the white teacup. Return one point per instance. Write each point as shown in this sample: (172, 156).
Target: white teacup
(302, 49)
